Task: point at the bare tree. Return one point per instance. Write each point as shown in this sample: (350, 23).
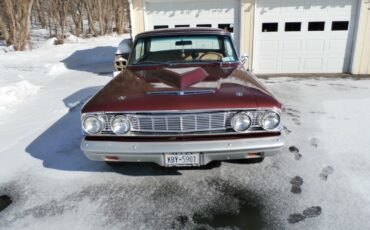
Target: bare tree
(90, 18)
(61, 16)
(16, 20)
(40, 12)
(76, 11)
(24, 23)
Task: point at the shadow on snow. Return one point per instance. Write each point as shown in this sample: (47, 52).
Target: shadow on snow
(98, 60)
(59, 146)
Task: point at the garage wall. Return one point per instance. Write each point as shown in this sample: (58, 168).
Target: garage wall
(361, 57)
(244, 37)
(246, 29)
(137, 16)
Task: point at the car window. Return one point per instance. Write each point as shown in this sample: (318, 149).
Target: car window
(228, 51)
(169, 43)
(183, 48)
(139, 50)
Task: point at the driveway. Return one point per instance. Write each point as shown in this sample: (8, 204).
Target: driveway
(319, 181)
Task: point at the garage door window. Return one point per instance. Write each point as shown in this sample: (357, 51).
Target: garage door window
(204, 25)
(160, 27)
(292, 26)
(227, 27)
(270, 27)
(316, 26)
(339, 25)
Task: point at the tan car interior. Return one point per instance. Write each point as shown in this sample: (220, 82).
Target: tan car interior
(177, 55)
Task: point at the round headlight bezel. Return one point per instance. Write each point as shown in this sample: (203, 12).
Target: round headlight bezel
(99, 122)
(238, 115)
(120, 117)
(265, 116)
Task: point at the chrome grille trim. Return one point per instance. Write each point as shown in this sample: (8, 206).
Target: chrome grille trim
(179, 123)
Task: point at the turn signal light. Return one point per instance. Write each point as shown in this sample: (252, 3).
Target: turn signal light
(111, 158)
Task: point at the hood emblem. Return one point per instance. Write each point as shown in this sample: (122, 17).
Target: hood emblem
(239, 94)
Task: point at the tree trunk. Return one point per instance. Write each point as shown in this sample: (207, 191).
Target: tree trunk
(89, 17)
(118, 16)
(4, 29)
(40, 13)
(25, 7)
(76, 13)
(9, 15)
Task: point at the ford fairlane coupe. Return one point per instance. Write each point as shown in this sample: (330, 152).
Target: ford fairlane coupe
(184, 99)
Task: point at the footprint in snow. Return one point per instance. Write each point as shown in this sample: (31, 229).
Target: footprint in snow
(325, 172)
(286, 130)
(295, 218)
(310, 212)
(296, 183)
(296, 121)
(314, 142)
(295, 152)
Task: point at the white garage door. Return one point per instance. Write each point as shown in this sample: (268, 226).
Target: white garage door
(223, 14)
(303, 36)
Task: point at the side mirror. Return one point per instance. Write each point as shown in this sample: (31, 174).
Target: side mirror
(244, 58)
(122, 54)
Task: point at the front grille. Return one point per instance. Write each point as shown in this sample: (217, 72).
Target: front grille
(181, 122)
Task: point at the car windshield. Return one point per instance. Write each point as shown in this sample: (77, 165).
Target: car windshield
(183, 49)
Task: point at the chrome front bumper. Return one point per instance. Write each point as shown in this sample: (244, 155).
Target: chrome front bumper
(211, 150)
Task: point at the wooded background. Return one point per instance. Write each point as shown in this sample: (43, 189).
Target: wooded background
(83, 18)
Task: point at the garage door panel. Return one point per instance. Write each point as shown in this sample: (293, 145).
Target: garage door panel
(291, 64)
(314, 46)
(314, 64)
(293, 46)
(193, 13)
(270, 64)
(334, 63)
(337, 46)
(312, 35)
(294, 6)
(270, 46)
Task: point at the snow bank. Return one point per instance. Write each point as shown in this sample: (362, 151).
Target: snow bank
(13, 94)
(55, 69)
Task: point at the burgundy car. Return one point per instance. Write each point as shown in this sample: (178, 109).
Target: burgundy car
(184, 99)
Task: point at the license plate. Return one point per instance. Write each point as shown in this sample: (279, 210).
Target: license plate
(181, 159)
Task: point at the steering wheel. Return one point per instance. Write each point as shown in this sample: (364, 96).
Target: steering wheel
(211, 56)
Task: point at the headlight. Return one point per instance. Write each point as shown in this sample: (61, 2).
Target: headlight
(240, 122)
(92, 125)
(270, 120)
(120, 125)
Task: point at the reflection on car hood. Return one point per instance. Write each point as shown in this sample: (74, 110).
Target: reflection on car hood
(216, 86)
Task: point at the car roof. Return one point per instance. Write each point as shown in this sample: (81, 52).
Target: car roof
(183, 31)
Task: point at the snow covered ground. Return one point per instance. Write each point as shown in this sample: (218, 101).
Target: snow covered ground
(320, 180)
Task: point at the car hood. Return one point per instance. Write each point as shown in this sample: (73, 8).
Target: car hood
(200, 87)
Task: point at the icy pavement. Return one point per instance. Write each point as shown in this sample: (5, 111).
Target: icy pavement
(319, 181)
